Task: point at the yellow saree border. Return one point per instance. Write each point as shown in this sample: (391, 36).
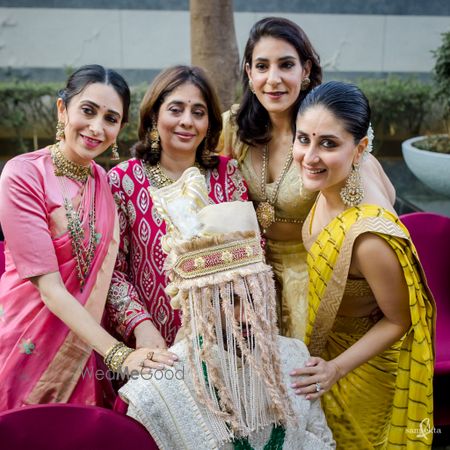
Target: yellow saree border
(328, 261)
(60, 378)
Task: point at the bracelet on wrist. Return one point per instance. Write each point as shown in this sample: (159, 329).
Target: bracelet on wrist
(116, 355)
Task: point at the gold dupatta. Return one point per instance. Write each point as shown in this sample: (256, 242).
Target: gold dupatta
(328, 263)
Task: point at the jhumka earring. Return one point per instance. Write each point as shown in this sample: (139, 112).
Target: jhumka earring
(305, 84)
(206, 153)
(115, 152)
(154, 138)
(60, 131)
(352, 193)
(250, 85)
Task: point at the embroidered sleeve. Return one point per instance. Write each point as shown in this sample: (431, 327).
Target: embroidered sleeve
(124, 308)
(235, 185)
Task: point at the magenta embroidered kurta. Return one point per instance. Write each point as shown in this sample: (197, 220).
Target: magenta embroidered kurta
(137, 288)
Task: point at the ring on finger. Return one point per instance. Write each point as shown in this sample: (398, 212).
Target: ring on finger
(318, 387)
(150, 356)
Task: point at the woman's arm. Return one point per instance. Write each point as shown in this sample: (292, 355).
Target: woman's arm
(376, 261)
(66, 307)
(126, 312)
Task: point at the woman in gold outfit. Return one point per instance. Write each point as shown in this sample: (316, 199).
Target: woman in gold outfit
(280, 66)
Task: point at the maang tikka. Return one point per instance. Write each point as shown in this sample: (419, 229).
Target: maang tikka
(352, 193)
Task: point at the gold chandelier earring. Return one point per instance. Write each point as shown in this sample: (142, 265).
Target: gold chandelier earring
(305, 84)
(250, 86)
(60, 131)
(352, 193)
(115, 152)
(154, 138)
(206, 152)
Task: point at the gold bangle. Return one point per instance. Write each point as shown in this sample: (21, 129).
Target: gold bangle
(116, 356)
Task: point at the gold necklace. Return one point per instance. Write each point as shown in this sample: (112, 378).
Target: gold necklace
(158, 178)
(66, 168)
(265, 212)
(83, 253)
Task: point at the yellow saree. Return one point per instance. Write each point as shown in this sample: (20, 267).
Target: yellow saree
(387, 403)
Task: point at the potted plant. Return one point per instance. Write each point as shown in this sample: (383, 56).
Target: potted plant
(428, 157)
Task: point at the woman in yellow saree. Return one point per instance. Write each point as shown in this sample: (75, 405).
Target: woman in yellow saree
(371, 315)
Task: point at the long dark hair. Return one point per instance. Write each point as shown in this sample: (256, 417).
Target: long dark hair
(346, 101)
(163, 85)
(252, 118)
(94, 73)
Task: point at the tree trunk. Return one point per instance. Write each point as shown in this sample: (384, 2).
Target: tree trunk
(214, 45)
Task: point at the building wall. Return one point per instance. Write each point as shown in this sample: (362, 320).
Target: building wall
(43, 39)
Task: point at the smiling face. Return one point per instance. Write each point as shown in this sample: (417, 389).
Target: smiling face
(92, 120)
(183, 120)
(324, 150)
(276, 73)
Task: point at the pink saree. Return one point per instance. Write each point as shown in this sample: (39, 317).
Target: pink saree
(41, 360)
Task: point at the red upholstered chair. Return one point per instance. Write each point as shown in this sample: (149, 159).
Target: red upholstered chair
(71, 427)
(431, 235)
(2, 258)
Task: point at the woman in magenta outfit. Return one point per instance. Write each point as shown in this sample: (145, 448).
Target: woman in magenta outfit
(61, 238)
(180, 124)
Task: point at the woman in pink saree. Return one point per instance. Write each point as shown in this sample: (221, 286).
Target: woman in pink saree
(61, 239)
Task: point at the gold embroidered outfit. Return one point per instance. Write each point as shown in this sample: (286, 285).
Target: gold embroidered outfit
(287, 258)
(382, 403)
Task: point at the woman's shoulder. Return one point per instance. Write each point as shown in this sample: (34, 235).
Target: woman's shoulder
(27, 164)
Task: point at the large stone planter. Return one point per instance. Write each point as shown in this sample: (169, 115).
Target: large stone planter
(432, 168)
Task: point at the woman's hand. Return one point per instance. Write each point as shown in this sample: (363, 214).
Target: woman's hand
(316, 378)
(145, 359)
(147, 335)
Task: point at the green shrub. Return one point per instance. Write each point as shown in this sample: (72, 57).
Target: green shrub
(28, 110)
(400, 107)
(441, 74)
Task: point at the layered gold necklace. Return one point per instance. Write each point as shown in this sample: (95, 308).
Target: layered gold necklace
(158, 178)
(83, 252)
(67, 168)
(265, 212)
